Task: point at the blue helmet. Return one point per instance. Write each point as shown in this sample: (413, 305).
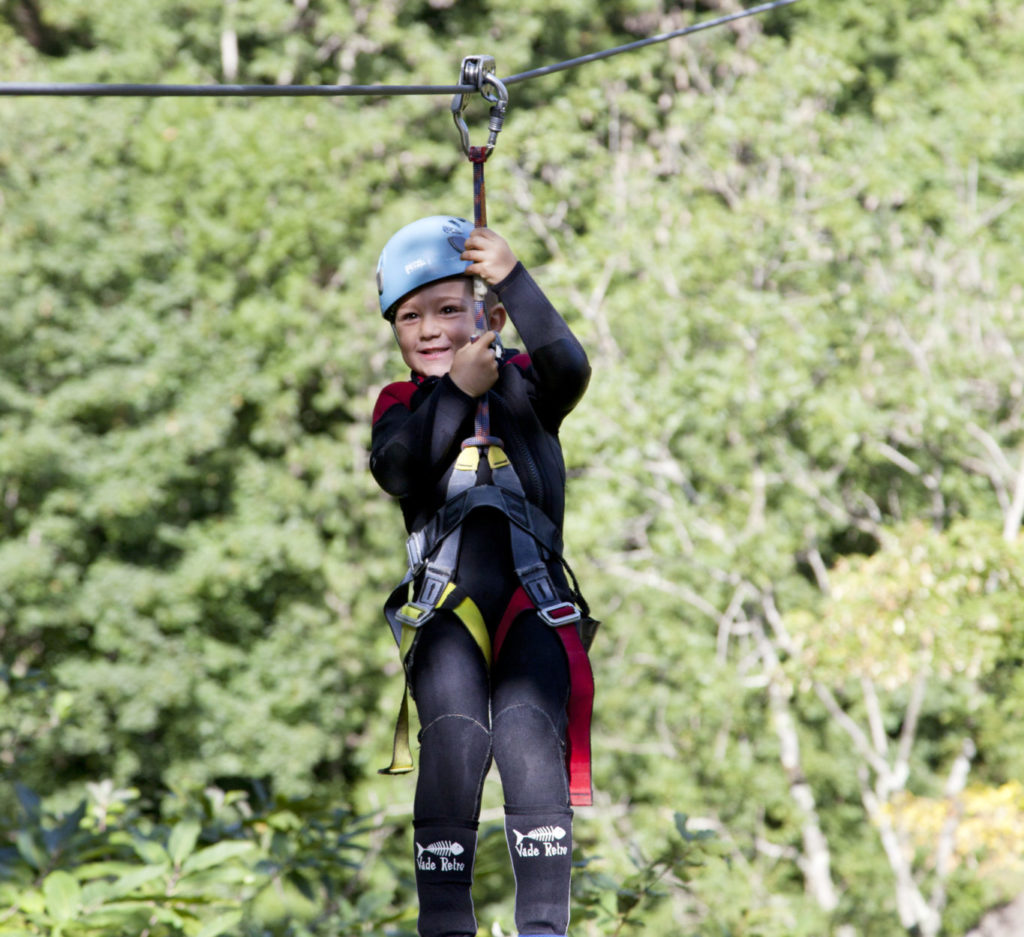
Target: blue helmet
(422, 252)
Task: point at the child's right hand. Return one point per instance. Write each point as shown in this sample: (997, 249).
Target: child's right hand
(492, 258)
(474, 366)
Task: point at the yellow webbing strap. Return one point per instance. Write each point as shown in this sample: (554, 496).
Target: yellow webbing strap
(467, 612)
(401, 753)
(468, 460)
(496, 457)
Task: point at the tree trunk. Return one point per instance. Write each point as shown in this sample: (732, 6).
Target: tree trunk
(27, 19)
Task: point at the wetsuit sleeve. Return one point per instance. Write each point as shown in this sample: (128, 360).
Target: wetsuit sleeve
(412, 448)
(559, 361)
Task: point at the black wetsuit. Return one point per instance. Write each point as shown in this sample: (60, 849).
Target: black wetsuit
(516, 713)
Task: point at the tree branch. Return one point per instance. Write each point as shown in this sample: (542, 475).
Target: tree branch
(946, 845)
(816, 861)
(909, 731)
(875, 721)
(1014, 516)
(854, 731)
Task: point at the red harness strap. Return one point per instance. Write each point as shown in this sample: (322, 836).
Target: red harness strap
(581, 698)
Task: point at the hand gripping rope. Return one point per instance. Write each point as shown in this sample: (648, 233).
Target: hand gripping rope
(478, 70)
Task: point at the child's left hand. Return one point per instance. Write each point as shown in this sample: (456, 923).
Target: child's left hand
(492, 258)
(474, 367)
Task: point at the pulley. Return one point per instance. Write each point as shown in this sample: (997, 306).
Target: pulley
(478, 72)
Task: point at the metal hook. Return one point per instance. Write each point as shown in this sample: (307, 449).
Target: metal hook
(478, 70)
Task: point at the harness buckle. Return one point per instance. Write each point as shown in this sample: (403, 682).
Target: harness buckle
(416, 611)
(564, 613)
(537, 584)
(414, 614)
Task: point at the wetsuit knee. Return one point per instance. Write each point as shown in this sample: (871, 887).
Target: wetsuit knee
(529, 749)
(455, 755)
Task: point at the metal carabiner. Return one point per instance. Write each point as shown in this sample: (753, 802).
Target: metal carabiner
(478, 70)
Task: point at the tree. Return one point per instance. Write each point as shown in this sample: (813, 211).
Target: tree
(790, 246)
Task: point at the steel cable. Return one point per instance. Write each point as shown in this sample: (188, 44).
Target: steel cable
(640, 43)
(127, 90)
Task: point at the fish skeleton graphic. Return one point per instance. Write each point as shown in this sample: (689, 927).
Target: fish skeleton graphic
(440, 848)
(542, 834)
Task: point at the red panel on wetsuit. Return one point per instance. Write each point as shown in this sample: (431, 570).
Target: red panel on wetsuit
(400, 392)
(581, 698)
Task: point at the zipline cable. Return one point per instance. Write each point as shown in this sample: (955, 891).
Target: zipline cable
(101, 90)
(640, 43)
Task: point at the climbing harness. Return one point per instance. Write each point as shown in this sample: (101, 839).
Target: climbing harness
(433, 553)
(535, 541)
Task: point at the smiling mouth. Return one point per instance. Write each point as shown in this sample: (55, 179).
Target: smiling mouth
(432, 352)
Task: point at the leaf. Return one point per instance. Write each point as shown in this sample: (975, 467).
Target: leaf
(29, 801)
(168, 916)
(32, 902)
(220, 924)
(125, 885)
(681, 820)
(149, 851)
(63, 896)
(216, 854)
(69, 825)
(302, 885)
(30, 849)
(182, 842)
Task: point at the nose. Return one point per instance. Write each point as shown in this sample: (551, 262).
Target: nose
(430, 325)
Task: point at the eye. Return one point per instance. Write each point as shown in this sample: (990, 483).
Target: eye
(451, 310)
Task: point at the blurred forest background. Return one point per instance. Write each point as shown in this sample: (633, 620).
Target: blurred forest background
(792, 247)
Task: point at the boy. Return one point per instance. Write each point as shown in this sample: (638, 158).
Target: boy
(489, 628)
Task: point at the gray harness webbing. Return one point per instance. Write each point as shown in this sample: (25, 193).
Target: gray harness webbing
(433, 551)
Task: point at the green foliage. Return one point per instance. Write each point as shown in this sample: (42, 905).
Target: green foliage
(791, 247)
(945, 603)
(622, 907)
(218, 864)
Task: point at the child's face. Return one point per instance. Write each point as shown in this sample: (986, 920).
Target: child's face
(433, 323)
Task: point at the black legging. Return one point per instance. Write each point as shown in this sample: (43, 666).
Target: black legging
(514, 714)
